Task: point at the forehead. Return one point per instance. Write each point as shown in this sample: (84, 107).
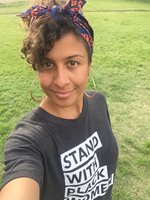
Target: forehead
(68, 45)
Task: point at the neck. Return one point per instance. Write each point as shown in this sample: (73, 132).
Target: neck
(65, 112)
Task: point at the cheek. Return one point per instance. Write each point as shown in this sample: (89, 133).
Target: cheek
(81, 79)
(44, 80)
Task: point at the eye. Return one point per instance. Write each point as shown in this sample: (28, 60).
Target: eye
(48, 65)
(73, 63)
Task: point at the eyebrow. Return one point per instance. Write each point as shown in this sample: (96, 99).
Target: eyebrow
(77, 55)
(67, 58)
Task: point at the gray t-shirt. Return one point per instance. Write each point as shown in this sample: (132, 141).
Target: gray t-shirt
(70, 159)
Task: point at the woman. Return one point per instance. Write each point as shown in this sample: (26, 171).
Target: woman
(64, 148)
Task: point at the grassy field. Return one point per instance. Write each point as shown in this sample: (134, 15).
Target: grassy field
(121, 67)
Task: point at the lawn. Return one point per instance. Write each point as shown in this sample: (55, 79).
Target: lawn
(121, 69)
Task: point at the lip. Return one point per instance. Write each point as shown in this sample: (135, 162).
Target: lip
(63, 94)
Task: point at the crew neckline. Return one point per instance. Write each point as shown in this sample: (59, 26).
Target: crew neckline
(52, 118)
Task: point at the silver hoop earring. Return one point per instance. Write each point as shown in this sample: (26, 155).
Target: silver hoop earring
(38, 100)
(94, 88)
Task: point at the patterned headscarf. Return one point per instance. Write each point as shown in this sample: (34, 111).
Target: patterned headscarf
(71, 11)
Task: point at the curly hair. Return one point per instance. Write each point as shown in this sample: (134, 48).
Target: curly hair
(41, 37)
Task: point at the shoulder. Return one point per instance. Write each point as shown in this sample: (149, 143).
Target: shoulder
(29, 130)
(33, 122)
(100, 96)
(96, 97)
(97, 105)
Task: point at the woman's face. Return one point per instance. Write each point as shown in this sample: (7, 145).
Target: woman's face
(64, 75)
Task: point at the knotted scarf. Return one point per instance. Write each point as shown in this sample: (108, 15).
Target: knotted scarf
(71, 11)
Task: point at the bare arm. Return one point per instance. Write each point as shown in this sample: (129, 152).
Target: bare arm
(20, 189)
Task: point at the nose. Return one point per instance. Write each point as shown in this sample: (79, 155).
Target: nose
(61, 78)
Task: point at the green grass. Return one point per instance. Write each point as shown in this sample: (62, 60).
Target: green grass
(121, 66)
(14, 8)
(95, 5)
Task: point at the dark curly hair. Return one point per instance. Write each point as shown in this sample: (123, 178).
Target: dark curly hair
(41, 37)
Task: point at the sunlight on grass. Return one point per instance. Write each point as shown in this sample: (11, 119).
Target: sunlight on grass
(121, 66)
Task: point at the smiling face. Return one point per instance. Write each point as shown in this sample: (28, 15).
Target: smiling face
(64, 73)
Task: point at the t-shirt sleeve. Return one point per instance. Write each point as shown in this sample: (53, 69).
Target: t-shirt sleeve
(22, 158)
